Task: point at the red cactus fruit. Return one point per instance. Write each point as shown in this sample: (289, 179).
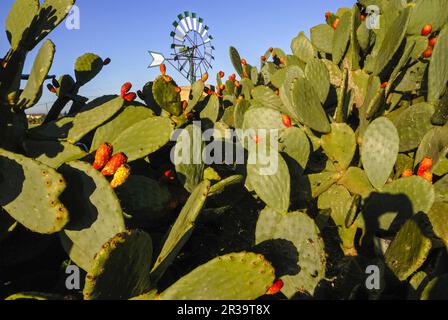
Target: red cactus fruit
(107, 61)
(362, 17)
(130, 97)
(51, 88)
(263, 58)
(232, 77)
(427, 53)
(384, 85)
(277, 92)
(276, 288)
(169, 175)
(287, 121)
(271, 49)
(433, 41)
(336, 23)
(163, 69)
(178, 89)
(184, 105)
(103, 155)
(114, 163)
(425, 166)
(243, 62)
(125, 88)
(426, 30)
(407, 173)
(327, 15)
(221, 74)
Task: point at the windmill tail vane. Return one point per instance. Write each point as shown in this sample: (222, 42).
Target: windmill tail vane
(192, 49)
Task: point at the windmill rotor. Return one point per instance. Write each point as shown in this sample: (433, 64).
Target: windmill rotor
(192, 49)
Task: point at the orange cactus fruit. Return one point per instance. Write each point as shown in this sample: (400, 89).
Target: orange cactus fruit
(178, 89)
(232, 77)
(221, 74)
(277, 92)
(407, 173)
(427, 53)
(167, 78)
(327, 15)
(428, 176)
(184, 105)
(336, 23)
(114, 164)
(287, 121)
(204, 77)
(102, 155)
(271, 49)
(282, 60)
(120, 176)
(106, 61)
(362, 17)
(433, 41)
(426, 30)
(276, 288)
(163, 69)
(129, 97)
(425, 166)
(263, 58)
(243, 62)
(51, 88)
(384, 85)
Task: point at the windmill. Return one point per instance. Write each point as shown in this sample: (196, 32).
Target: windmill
(192, 49)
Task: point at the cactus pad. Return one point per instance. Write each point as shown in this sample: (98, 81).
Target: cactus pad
(87, 67)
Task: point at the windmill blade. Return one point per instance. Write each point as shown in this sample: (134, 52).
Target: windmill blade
(204, 33)
(195, 22)
(188, 18)
(201, 25)
(179, 28)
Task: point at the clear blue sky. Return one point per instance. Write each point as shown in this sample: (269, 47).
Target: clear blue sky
(126, 30)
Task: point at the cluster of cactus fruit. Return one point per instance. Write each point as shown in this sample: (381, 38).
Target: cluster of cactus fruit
(362, 169)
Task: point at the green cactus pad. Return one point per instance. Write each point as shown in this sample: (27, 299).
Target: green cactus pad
(291, 74)
(36, 296)
(96, 113)
(42, 64)
(51, 14)
(87, 67)
(236, 276)
(53, 153)
(29, 192)
(428, 11)
(392, 41)
(274, 189)
(302, 48)
(308, 108)
(66, 85)
(19, 19)
(441, 189)
(165, 95)
(196, 94)
(143, 138)
(56, 130)
(236, 60)
(340, 145)
(295, 144)
(190, 165)
(96, 215)
(265, 97)
(109, 132)
(437, 289)
(413, 124)
(438, 68)
(342, 37)
(398, 201)
(182, 229)
(322, 37)
(143, 198)
(127, 254)
(379, 151)
(211, 109)
(357, 182)
(240, 110)
(409, 250)
(317, 74)
(439, 220)
(435, 146)
(316, 184)
(263, 118)
(303, 233)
